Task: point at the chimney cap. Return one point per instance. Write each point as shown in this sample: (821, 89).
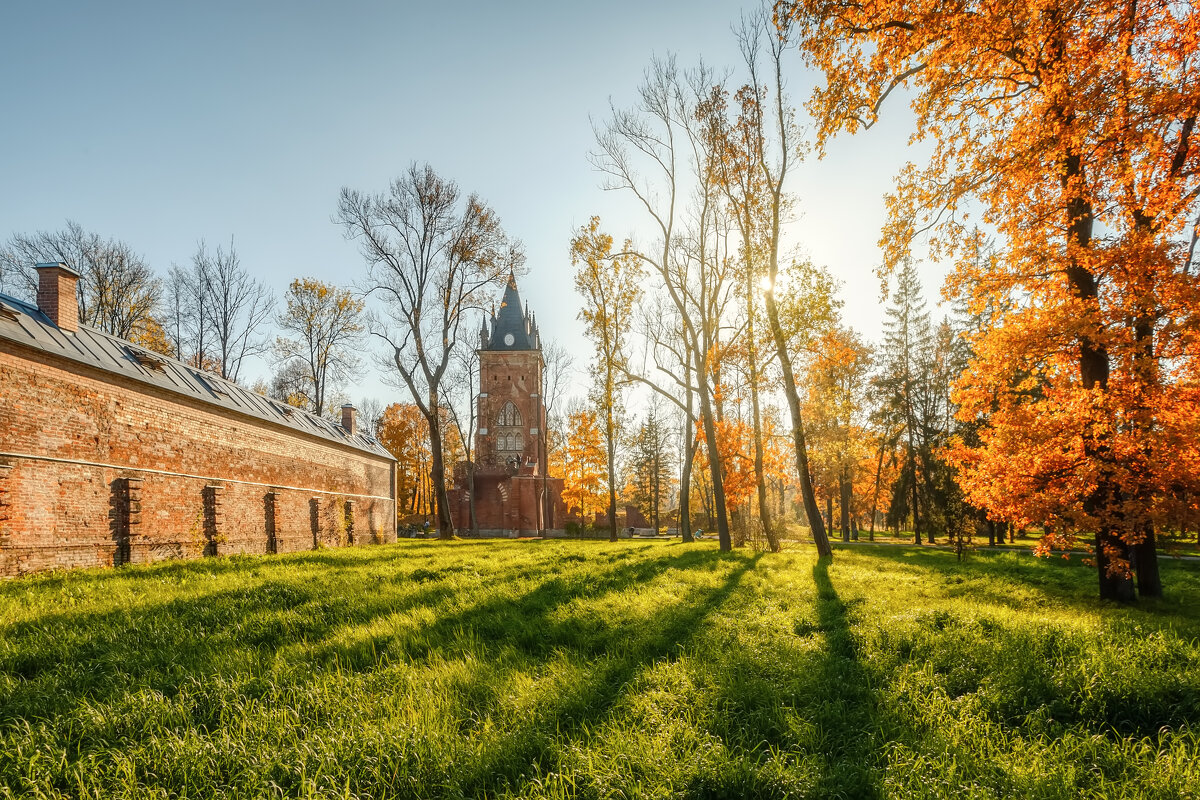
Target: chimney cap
(347, 405)
(57, 265)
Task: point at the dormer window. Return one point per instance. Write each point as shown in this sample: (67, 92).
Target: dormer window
(212, 383)
(147, 359)
(284, 409)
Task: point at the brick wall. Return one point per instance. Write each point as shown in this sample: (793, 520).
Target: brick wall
(504, 505)
(97, 469)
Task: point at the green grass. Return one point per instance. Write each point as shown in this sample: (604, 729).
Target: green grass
(596, 670)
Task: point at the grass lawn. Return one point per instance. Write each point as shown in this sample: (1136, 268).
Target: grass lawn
(588, 669)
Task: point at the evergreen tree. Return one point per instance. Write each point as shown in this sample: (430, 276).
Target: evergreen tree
(651, 467)
(905, 360)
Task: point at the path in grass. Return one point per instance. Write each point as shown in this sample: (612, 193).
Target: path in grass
(588, 669)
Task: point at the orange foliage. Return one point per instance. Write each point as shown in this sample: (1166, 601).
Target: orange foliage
(736, 449)
(584, 486)
(150, 335)
(404, 432)
(835, 378)
(1072, 126)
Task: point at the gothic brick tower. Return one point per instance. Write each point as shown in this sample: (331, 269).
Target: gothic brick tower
(511, 413)
(512, 494)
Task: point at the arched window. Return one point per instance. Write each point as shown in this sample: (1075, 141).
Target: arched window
(509, 415)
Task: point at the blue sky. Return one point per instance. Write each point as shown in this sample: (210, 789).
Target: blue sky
(161, 124)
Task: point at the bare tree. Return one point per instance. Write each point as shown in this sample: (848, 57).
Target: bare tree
(177, 311)
(118, 291)
(680, 197)
(291, 383)
(431, 258)
(667, 369)
(773, 145)
(238, 308)
(214, 311)
(326, 324)
(461, 386)
(609, 287)
(370, 411)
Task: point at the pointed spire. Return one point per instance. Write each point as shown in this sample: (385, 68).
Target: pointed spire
(511, 323)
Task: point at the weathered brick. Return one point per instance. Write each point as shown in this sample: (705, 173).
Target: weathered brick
(131, 463)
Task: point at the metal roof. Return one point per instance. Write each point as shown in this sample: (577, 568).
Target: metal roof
(27, 326)
(513, 321)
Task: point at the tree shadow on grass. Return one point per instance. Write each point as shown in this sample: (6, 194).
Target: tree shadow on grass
(1023, 582)
(987, 574)
(1062, 674)
(797, 720)
(615, 655)
(525, 623)
(58, 659)
(849, 714)
(234, 637)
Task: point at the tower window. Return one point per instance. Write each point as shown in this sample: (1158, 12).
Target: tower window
(509, 416)
(506, 442)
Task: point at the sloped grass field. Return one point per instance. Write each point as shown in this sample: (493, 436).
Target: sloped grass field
(596, 670)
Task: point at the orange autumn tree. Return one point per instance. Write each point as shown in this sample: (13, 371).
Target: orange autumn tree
(586, 464)
(403, 432)
(835, 377)
(1070, 126)
(399, 430)
(735, 445)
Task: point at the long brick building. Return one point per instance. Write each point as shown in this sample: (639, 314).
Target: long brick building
(512, 494)
(111, 454)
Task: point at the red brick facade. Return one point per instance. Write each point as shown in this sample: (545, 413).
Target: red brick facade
(97, 469)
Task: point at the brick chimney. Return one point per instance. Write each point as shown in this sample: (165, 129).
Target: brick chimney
(349, 419)
(56, 296)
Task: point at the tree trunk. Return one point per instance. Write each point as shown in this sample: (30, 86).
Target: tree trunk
(844, 499)
(544, 464)
(714, 458)
(875, 494)
(798, 437)
(1094, 362)
(685, 485)
(471, 498)
(1145, 561)
(764, 508)
(610, 435)
(441, 500)
(1117, 586)
(737, 527)
(915, 510)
